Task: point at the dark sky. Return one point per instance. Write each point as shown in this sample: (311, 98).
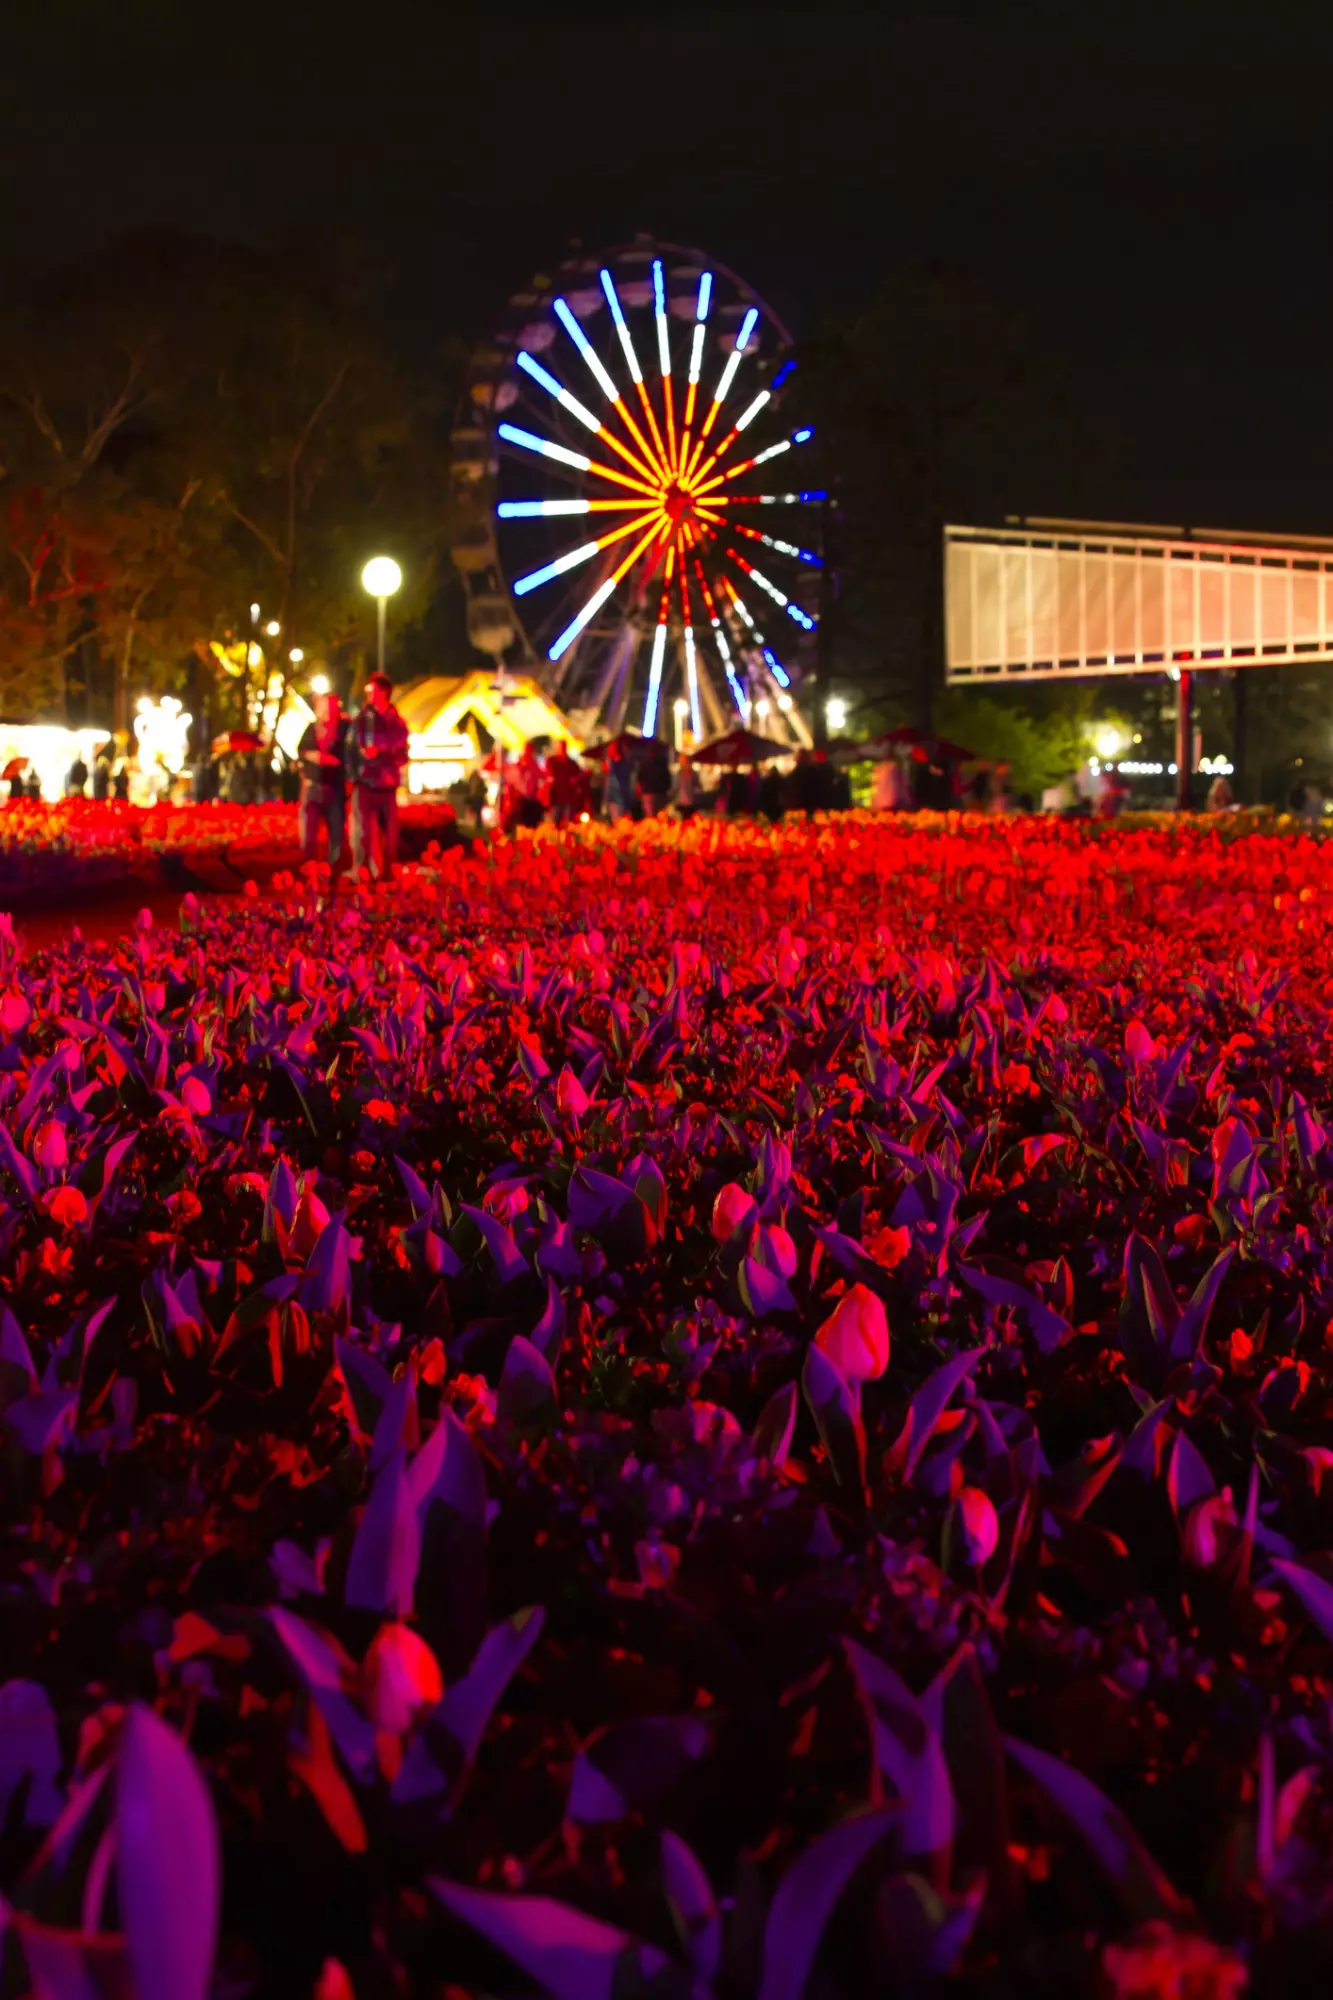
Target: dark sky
(1149, 185)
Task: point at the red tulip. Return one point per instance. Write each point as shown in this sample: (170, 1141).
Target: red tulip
(49, 1148)
(730, 1209)
(980, 1525)
(855, 1336)
(401, 1677)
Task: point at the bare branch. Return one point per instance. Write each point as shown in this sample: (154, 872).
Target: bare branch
(122, 406)
(261, 535)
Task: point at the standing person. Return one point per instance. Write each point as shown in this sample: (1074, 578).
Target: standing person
(562, 781)
(377, 753)
(76, 778)
(687, 789)
(322, 757)
(526, 780)
(619, 794)
(102, 773)
(654, 778)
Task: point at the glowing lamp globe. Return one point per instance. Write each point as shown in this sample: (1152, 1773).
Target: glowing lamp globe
(381, 576)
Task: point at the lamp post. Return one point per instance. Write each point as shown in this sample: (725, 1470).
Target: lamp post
(381, 577)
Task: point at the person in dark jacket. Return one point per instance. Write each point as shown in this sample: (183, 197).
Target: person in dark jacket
(322, 755)
(654, 779)
(377, 756)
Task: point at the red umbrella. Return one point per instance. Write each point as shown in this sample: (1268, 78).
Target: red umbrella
(741, 746)
(14, 768)
(233, 742)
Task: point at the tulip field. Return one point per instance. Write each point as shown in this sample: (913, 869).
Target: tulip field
(712, 1412)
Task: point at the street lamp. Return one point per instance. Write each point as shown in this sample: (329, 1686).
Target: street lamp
(381, 577)
(319, 684)
(836, 711)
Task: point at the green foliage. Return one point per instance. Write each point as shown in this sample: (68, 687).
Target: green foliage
(1040, 748)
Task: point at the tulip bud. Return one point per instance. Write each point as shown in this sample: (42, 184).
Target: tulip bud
(730, 1209)
(777, 1250)
(310, 1218)
(855, 1336)
(1139, 1044)
(15, 1013)
(570, 1096)
(49, 1148)
(1206, 1529)
(66, 1206)
(401, 1677)
(980, 1525)
(196, 1097)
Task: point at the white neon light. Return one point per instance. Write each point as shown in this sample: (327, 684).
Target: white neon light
(534, 510)
(748, 416)
(784, 444)
(513, 435)
(697, 352)
(654, 681)
(587, 350)
(612, 299)
(692, 679)
(660, 312)
(557, 568)
(576, 625)
(747, 328)
(558, 390)
(764, 584)
(705, 297)
(728, 376)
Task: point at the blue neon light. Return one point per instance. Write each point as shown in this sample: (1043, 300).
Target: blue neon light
(747, 328)
(659, 287)
(536, 510)
(513, 435)
(816, 493)
(557, 568)
(776, 668)
(538, 373)
(705, 295)
(802, 618)
(612, 298)
(799, 437)
(782, 374)
(576, 624)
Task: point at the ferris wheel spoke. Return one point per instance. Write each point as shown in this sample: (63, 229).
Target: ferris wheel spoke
(604, 589)
(770, 589)
(579, 460)
(723, 648)
(536, 510)
(728, 376)
(585, 553)
(632, 363)
(585, 416)
(773, 542)
(664, 361)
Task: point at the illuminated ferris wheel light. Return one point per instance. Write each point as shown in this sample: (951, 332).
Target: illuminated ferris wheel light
(748, 415)
(655, 681)
(535, 510)
(627, 345)
(558, 390)
(587, 350)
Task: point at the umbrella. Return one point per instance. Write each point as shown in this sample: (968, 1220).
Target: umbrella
(14, 768)
(741, 746)
(630, 744)
(879, 748)
(233, 741)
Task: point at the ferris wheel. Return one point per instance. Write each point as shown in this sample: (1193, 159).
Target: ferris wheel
(638, 530)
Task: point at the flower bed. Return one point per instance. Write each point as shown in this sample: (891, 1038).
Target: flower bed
(80, 847)
(668, 1410)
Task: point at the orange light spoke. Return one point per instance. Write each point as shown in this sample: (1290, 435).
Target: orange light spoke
(660, 470)
(645, 469)
(651, 415)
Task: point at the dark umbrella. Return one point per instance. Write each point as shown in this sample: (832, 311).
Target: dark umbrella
(741, 746)
(877, 749)
(629, 743)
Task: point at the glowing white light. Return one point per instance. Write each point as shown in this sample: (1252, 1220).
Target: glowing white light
(783, 444)
(705, 296)
(654, 681)
(1108, 741)
(513, 435)
(576, 625)
(747, 328)
(586, 349)
(254, 656)
(631, 358)
(747, 416)
(162, 732)
(558, 390)
(273, 628)
(381, 576)
(660, 313)
(254, 614)
(836, 711)
(531, 510)
(728, 377)
(319, 684)
(557, 568)
(764, 584)
(296, 655)
(692, 680)
(697, 352)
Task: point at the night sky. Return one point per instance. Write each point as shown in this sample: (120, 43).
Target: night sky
(1150, 186)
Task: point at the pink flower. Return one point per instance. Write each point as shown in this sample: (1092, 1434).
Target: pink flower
(401, 1677)
(730, 1210)
(196, 1097)
(15, 1013)
(777, 1250)
(1139, 1044)
(570, 1096)
(1208, 1529)
(855, 1336)
(980, 1525)
(310, 1218)
(49, 1148)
